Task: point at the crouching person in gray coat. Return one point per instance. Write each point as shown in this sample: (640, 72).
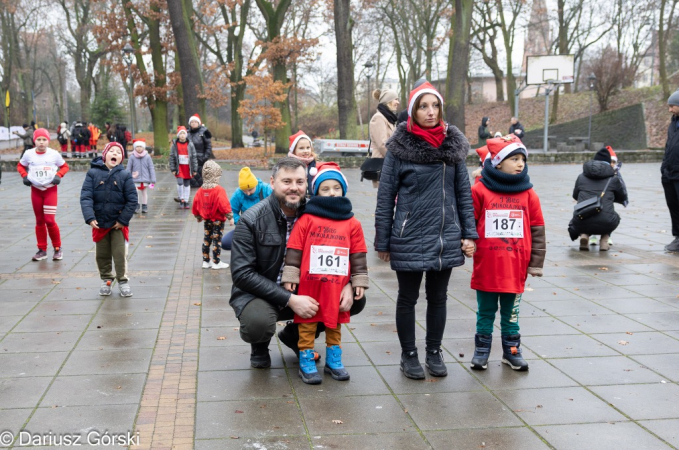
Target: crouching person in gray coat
(257, 256)
(433, 224)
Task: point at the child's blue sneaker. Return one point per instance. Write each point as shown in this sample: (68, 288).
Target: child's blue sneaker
(511, 353)
(333, 363)
(307, 368)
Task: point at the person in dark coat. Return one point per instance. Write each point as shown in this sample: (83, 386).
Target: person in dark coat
(433, 223)
(669, 170)
(484, 132)
(120, 137)
(108, 199)
(202, 141)
(591, 183)
(516, 128)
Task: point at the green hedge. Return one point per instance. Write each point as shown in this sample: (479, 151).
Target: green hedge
(623, 129)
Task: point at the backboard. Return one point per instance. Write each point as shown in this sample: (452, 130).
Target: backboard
(550, 68)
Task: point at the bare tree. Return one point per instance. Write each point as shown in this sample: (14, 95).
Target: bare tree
(485, 26)
(609, 72)
(508, 13)
(458, 62)
(632, 28)
(665, 29)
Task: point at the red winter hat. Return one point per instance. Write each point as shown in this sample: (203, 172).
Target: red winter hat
(109, 146)
(41, 132)
(482, 152)
(614, 157)
(424, 88)
(181, 128)
(139, 143)
(328, 171)
(294, 139)
(195, 117)
(500, 148)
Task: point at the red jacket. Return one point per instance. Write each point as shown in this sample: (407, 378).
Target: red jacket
(211, 204)
(505, 242)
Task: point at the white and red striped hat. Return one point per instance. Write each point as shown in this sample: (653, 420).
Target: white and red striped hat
(502, 147)
(424, 88)
(139, 143)
(294, 139)
(195, 117)
(328, 171)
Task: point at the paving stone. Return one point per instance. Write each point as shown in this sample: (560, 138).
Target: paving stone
(491, 438)
(286, 442)
(652, 343)
(49, 341)
(22, 392)
(614, 370)
(85, 362)
(370, 441)
(666, 429)
(31, 364)
(575, 346)
(643, 401)
(93, 390)
(600, 436)
(219, 385)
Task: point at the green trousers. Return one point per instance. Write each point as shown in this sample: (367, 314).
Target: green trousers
(487, 307)
(112, 249)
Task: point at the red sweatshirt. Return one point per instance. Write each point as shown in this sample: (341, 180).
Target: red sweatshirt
(211, 204)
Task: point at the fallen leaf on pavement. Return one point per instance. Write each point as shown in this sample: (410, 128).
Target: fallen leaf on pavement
(197, 303)
(623, 342)
(221, 338)
(337, 421)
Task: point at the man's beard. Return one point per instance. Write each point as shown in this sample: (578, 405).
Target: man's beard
(290, 205)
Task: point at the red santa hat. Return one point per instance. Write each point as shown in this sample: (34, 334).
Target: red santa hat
(482, 152)
(294, 139)
(614, 157)
(181, 129)
(111, 145)
(424, 88)
(328, 171)
(139, 143)
(195, 117)
(503, 147)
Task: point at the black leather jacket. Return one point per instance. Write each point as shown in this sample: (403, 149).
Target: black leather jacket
(257, 254)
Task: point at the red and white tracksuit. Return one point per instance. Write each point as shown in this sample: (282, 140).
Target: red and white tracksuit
(34, 165)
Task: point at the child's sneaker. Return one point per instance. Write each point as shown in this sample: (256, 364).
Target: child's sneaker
(220, 265)
(435, 364)
(307, 368)
(58, 254)
(138, 209)
(186, 205)
(207, 264)
(482, 344)
(144, 209)
(610, 240)
(105, 288)
(511, 353)
(125, 289)
(181, 204)
(593, 240)
(333, 363)
(42, 254)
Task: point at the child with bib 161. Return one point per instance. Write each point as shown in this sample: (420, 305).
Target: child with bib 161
(326, 250)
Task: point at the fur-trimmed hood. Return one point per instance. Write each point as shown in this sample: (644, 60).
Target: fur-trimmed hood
(409, 147)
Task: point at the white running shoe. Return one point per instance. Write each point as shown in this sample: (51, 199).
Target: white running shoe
(593, 240)
(207, 265)
(220, 265)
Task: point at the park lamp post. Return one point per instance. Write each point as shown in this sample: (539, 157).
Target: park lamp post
(368, 73)
(592, 80)
(128, 50)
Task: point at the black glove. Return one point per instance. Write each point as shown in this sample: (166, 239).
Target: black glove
(56, 180)
(26, 182)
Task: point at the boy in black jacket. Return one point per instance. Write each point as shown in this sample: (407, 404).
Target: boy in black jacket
(108, 200)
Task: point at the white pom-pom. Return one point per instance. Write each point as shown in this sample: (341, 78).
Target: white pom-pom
(313, 171)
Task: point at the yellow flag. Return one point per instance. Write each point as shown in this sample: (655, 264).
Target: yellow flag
(7, 99)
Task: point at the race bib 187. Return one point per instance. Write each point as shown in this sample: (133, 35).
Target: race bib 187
(504, 223)
(326, 260)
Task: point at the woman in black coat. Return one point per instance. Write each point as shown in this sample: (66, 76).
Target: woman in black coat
(591, 183)
(202, 142)
(432, 225)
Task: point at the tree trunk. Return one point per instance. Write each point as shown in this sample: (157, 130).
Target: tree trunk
(181, 111)
(458, 63)
(282, 134)
(238, 94)
(345, 69)
(662, 51)
(192, 81)
(159, 109)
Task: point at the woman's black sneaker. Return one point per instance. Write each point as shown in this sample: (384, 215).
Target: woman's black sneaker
(410, 365)
(434, 363)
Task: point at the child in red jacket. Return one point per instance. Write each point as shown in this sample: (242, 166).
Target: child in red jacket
(325, 251)
(212, 206)
(42, 169)
(511, 245)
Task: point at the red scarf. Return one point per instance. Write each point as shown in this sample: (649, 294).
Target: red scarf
(99, 233)
(434, 136)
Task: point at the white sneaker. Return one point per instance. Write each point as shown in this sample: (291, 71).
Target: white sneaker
(207, 265)
(221, 265)
(593, 240)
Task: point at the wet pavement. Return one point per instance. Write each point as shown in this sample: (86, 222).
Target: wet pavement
(600, 331)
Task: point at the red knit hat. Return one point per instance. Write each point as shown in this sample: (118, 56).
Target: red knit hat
(41, 132)
(109, 146)
(294, 139)
(424, 88)
(195, 117)
(614, 157)
(139, 143)
(181, 128)
(500, 148)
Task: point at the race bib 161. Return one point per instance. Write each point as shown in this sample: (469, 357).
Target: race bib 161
(326, 260)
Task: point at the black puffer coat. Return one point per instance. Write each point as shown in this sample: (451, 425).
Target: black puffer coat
(669, 168)
(434, 209)
(591, 183)
(202, 142)
(109, 196)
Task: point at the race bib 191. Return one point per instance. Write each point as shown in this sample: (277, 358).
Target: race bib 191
(325, 260)
(41, 174)
(183, 159)
(504, 223)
